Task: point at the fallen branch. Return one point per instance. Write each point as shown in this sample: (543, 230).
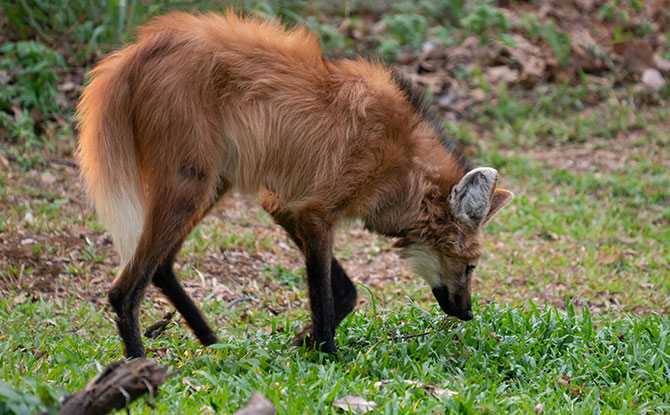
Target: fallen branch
(116, 387)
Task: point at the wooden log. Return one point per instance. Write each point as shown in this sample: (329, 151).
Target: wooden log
(116, 387)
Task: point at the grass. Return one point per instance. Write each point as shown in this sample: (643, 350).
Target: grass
(504, 361)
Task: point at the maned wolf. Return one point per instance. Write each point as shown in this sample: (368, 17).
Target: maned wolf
(204, 104)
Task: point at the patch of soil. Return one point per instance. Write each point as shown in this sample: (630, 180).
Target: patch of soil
(227, 274)
(597, 155)
(605, 155)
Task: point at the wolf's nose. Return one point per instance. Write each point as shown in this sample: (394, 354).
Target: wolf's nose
(468, 315)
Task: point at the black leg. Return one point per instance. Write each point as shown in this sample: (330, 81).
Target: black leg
(173, 210)
(125, 300)
(316, 237)
(166, 281)
(343, 289)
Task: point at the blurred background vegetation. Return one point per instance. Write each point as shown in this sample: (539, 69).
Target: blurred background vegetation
(48, 45)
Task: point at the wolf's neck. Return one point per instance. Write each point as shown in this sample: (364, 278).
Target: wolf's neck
(399, 207)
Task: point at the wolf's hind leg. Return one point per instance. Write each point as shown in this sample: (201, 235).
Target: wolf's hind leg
(176, 199)
(167, 282)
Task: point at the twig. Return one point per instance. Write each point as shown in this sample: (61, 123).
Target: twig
(68, 163)
(411, 336)
(240, 300)
(77, 328)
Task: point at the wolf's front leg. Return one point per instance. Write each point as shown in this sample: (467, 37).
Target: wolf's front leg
(317, 239)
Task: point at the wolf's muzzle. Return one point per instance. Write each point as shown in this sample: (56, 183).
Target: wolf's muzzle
(458, 307)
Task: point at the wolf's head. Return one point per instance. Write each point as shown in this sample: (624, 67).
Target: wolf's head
(446, 242)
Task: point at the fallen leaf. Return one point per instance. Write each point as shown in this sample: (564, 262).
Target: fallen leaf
(637, 54)
(67, 86)
(39, 353)
(653, 79)
(191, 385)
(353, 402)
(608, 258)
(529, 57)
(661, 63)
(258, 405)
(437, 391)
(206, 410)
(28, 218)
(158, 327)
(47, 178)
(564, 381)
(478, 94)
(20, 299)
(36, 114)
(534, 67)
(585, 50)
(502, 73)
(584, 5)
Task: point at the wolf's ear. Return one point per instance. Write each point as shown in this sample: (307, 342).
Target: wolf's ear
(471, 198)
(499, 200)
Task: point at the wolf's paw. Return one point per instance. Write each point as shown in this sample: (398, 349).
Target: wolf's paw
(208, 339)
(304, 338)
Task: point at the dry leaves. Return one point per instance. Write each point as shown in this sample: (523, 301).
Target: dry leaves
(354, 403)
(437, 391)
(653, 79)
(609, 49)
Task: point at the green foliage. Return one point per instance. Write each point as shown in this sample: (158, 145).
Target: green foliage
(83, 21)
(407, 29)
(557, 39)
(29, 87)
(330, 37)
(33, 76)
(483, 20)
(19, 127)
(611, 10)
(403, 29)
(38, 398)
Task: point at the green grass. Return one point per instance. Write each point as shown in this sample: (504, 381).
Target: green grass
(597, 232)
(504, 361)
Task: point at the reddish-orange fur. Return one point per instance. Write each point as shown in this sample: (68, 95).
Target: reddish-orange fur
(202, 104)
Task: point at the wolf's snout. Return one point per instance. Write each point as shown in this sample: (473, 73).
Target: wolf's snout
(458, 306)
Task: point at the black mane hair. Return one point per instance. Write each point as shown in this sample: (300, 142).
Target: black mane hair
(417, 99)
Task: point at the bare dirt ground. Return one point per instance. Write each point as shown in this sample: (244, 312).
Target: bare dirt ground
(225, 273)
